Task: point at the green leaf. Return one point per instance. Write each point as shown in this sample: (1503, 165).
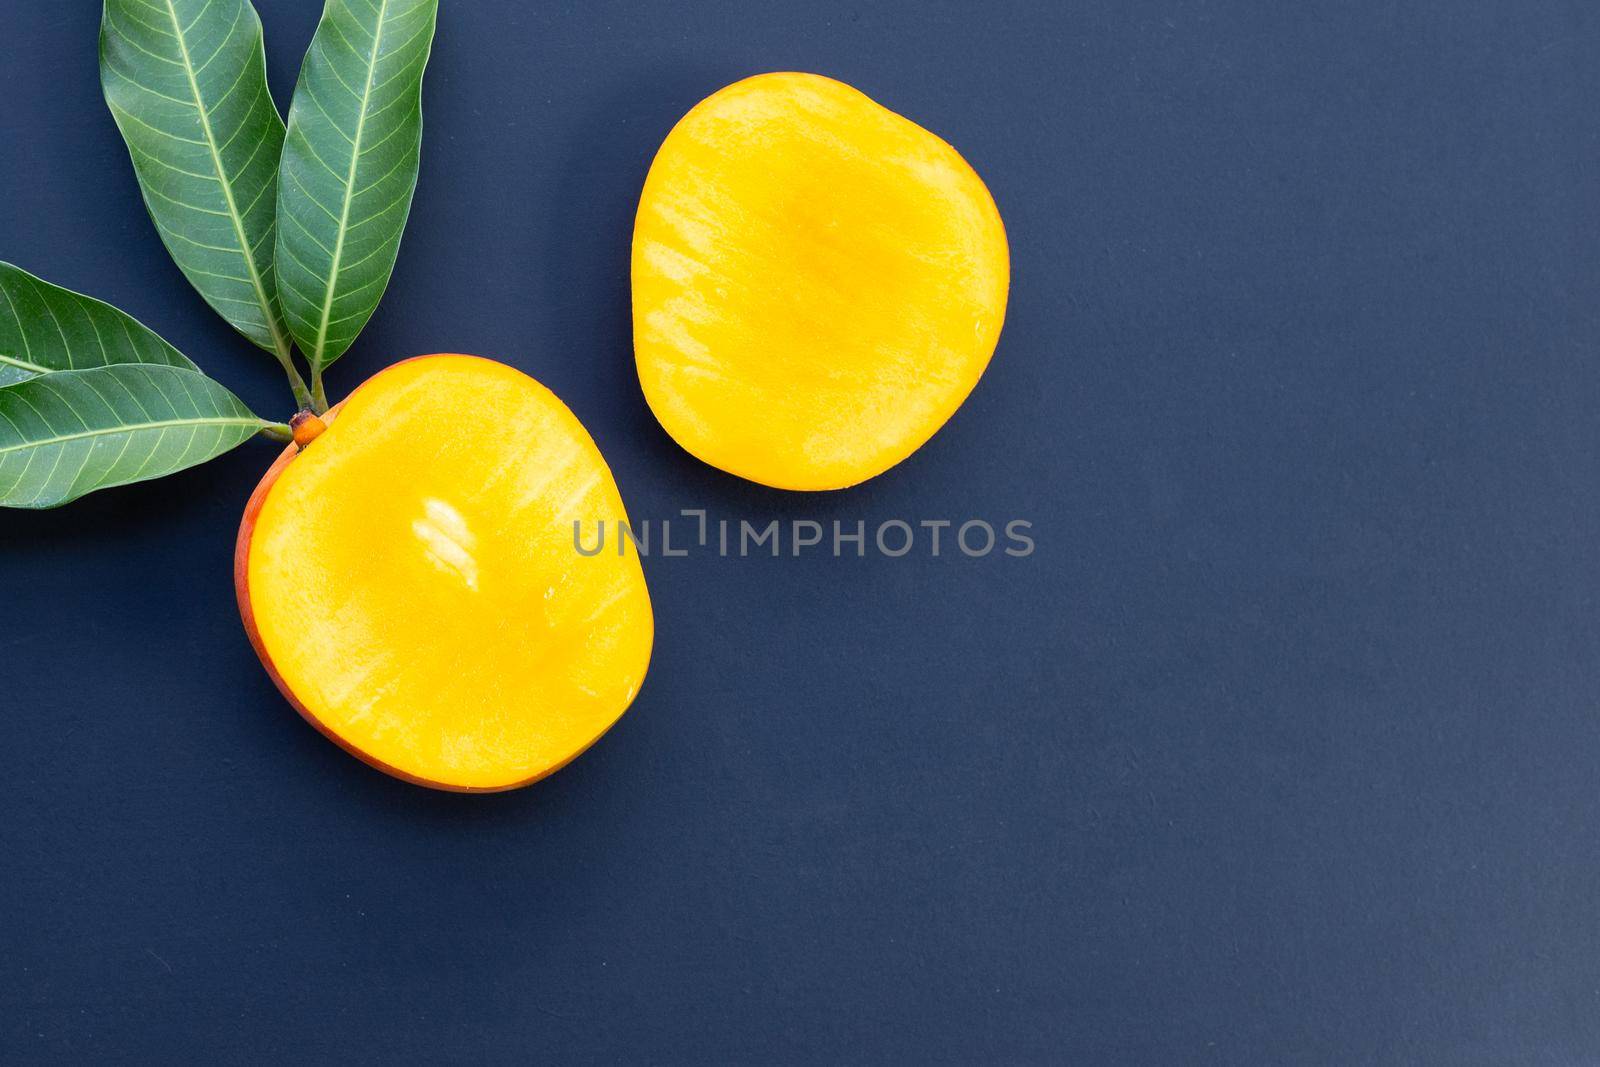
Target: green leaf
(69, 433)
(46, 328)
(350, 167)
(186, 81)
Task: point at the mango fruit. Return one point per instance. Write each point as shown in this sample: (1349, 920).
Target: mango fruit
(818, 283)
(407, 572)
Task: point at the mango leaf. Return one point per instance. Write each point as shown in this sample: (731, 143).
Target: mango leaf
(46, 328)
(186, 81)
(69, 433)
(349, 167)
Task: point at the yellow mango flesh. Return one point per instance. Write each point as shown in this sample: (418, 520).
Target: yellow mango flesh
(818, 283)
(411, 579)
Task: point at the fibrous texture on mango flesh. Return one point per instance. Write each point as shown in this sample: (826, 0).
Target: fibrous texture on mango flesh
(818, 283)
(412, 583)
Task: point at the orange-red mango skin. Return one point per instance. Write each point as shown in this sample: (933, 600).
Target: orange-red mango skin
(818, 283)
(635, 622)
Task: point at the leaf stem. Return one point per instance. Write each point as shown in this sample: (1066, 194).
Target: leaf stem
(277, 431)
(302, 395)
(319, 395)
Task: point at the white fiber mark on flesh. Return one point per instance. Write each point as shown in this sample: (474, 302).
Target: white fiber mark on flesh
(447, 541)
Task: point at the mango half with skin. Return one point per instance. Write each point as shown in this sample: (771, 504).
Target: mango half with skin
(818, 283)
(410, 578)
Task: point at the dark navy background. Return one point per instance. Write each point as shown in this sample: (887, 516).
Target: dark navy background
(1283, 747)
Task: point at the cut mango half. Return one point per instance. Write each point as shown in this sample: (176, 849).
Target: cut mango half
(411, 578)
(818, 283)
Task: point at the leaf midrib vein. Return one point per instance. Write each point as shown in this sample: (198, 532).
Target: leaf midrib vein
(24, 364)
(349, 183)
(128, 427)
(273, 328)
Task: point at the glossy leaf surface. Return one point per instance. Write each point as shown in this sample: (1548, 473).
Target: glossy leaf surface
(46, 328)
(186, 82)
(350, 167)
(69, 433)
